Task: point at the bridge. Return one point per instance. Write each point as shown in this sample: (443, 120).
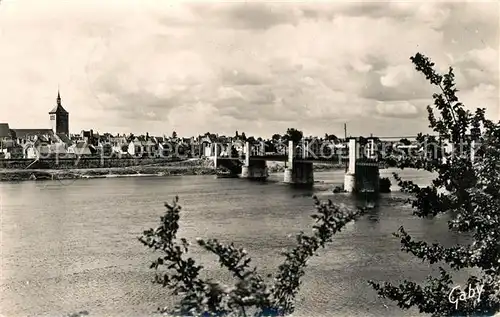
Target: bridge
(362, 169)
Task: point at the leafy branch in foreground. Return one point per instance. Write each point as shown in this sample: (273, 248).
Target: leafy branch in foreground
(250, 295)
(468, 189)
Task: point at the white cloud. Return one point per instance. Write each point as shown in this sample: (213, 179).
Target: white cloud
(397, 109)
(482, 96)
(396, 75)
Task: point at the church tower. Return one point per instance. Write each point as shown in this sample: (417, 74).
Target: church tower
(59, 118)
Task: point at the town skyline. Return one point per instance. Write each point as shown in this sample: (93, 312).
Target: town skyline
(142, 67)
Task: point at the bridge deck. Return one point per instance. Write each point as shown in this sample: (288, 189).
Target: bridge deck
(283, 158)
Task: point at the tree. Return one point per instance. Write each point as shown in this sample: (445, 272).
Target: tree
(469, 190)
(331, 137)
(269, 146)
(405, 141)
(234, 152)
(276, 137)
(294, 135)
(250, 295)
(362, 141)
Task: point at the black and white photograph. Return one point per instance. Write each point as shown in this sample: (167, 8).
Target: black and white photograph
(249, 158)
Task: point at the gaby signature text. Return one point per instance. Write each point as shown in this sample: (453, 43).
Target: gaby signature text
(457, 295)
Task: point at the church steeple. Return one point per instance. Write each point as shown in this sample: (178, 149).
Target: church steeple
(59, 117)
(58, 108)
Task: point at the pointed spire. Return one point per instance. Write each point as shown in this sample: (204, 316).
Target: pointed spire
(58, 108)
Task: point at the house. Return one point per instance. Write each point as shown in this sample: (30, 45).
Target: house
(23, 136)
(315, 146)
(136, 148)
(63, 138)
(30, 151)
(258, 148)
(159, 139)
(5, 140)
(45, 146)
(239, 146)
(82, 149)
(195, 147)
(207, 146)
(165, 149)
(59, 144)
(207, 149)
(58, 149)
(105, 149)
(90, 137)
(40, 148)
(225, 149)
(143, 147)
(9, 149)
(119, 144)
(5, 132)
(187, 147)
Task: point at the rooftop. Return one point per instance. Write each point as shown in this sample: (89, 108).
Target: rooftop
(64, 138)
(4, 130)
(24, 133)
(58, 109)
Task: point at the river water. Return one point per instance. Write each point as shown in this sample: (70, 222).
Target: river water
(71, 247)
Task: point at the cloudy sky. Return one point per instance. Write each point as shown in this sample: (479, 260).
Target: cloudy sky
(158, 66)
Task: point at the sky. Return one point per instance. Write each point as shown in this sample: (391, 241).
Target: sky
(160, 66)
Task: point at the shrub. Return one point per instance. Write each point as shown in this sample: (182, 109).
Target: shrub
(250, 295)
(385, 185)
(467, 189)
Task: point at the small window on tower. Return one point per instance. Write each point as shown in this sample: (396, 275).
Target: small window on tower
(52, 117)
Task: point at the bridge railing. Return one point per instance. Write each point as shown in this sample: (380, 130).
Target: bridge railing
(325, 150)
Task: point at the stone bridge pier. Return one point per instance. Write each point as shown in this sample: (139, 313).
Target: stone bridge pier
(255, 169)
(299, 173)
(350, 173)
(362, 174)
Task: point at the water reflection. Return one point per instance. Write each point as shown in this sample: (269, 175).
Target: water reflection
(366, 200)
(76, 245)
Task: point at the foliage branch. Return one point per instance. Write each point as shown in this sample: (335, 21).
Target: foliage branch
(251, 294)
(466, 187)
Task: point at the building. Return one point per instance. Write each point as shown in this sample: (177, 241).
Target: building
(23, 136)
(90, 137)
(143, 147)
(59, 118)
(5, 132)
(119, 144)
(82, 149)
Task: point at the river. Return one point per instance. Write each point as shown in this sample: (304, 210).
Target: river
(71, 247)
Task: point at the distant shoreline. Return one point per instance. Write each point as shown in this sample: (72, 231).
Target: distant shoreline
(184, 168)
(36, 175)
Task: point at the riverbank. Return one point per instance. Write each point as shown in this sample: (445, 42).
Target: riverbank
(188, 167)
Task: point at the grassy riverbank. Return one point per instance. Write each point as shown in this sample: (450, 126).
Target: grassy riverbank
(188, 167)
